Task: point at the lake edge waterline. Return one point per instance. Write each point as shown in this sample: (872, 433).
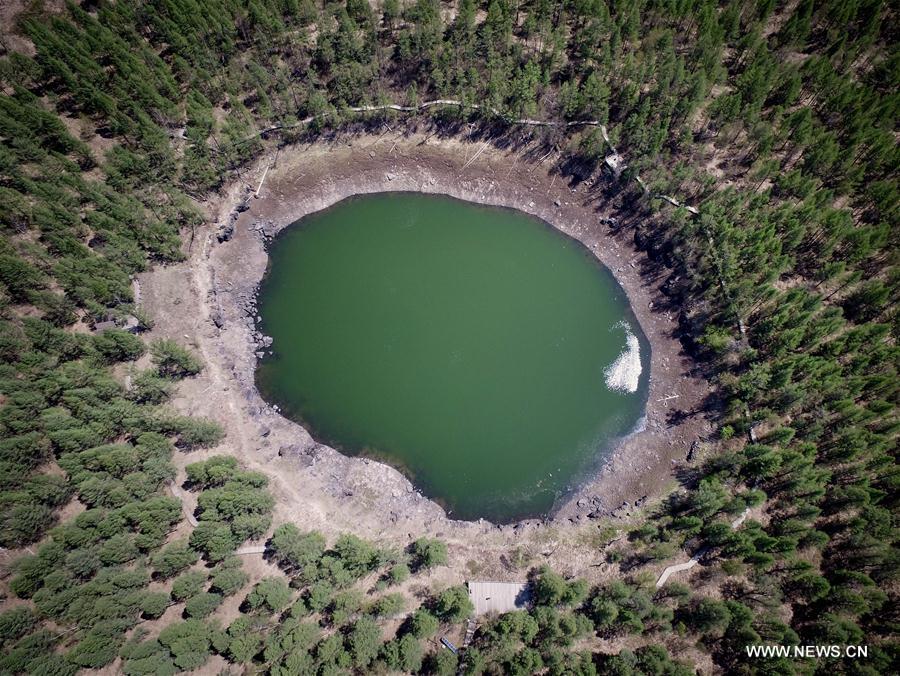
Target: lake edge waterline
(307, 177)
(597, 457)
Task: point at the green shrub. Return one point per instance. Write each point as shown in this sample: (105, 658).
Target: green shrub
(550, 589)
(428, 553)
(16, 622)
(154, 604)
(363, 641)
(398, 574)
(173, 559)
(196, 433)
(228, 580)
(174, 361)
(188, 642)
(188, 584)
(388, 605)
(202, 605)
(115, 345)
(454, 605)
(271, 594)
(422, 624)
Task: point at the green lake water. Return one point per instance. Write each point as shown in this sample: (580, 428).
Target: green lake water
(484, 354)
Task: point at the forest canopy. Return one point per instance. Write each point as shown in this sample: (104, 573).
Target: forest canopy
(775, 122)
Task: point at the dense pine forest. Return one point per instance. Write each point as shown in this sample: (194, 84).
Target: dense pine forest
(776, 120)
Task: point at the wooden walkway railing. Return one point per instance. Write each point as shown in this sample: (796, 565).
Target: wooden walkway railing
(694, 560)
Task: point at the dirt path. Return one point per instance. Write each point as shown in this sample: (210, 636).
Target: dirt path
(694, 560)
(208, 302)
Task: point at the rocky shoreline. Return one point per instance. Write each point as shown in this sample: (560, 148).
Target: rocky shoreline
(360, 494)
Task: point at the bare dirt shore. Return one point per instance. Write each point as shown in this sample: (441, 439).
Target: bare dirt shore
(208, 302)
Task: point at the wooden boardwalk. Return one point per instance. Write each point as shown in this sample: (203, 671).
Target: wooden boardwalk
(694, 560)
(497, 597)
(471, 626)
(178, 493)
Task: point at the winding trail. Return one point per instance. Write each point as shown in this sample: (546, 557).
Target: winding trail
(180, 495)
(424, 106)
(615, 161)
(240, 434)
(203, 283)
(250, 549)
(694, 560)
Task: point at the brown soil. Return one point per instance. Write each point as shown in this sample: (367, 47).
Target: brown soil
(317, 487)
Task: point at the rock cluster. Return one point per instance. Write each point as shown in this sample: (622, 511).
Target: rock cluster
(264, 229)
(305, 456)
(696, 447)
(226, 232)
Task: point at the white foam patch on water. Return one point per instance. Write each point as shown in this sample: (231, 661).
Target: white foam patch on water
(624, 374)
